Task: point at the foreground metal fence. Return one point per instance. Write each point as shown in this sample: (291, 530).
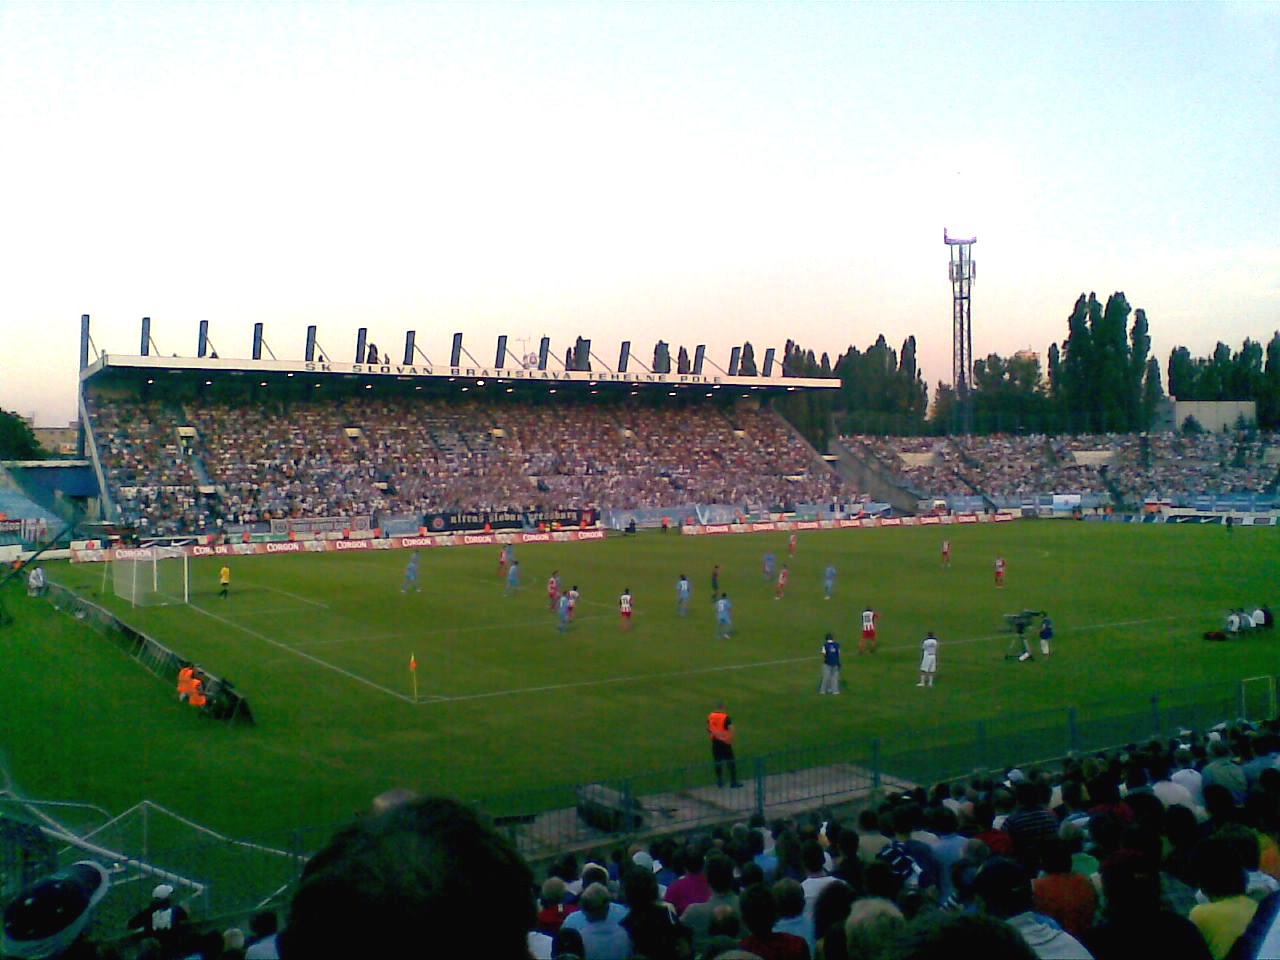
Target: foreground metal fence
(549, 820)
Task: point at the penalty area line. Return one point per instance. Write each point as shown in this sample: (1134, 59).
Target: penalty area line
(306, 656)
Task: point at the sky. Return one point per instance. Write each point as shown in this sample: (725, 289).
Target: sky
(692, 172)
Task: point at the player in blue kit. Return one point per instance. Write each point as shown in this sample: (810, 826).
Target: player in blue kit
(566, 611)
(683, 589)
(513, 579)
(829, 581)
(724, 617)
(769, 564)
(411, 575)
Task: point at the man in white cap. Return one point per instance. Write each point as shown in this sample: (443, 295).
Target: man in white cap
(162, 919)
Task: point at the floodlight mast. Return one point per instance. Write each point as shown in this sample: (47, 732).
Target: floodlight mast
(962, 271)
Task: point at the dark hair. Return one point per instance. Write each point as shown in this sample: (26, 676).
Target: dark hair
(759, 912)
(942, 936)
(427, 864)
(1217, 865)
(1004, 887)
(788, 895)
(719, 870)
(639, 885)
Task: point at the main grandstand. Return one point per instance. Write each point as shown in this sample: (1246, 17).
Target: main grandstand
(211, 446)
(590, 744)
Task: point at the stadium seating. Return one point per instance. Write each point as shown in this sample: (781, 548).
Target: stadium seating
(1132, 467)
(369, 456)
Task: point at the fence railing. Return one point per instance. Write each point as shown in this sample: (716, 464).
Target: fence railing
(548, 820)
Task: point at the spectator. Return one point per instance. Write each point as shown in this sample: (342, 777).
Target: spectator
(872, 926)
(1061, 894)
(1134, 922)
(429, 868)
(553, 909)
(603, 936)
(942, 936)
(651, 923)
(1224, 918)
(1003, 891)
(793, 918)
(697, 916)
(759, 914)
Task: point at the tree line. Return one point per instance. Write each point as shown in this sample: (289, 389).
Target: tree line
(1102, 378)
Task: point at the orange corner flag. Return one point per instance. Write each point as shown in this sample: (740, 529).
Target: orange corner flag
(413, 663)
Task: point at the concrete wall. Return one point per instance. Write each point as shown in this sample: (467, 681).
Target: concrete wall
(866, 474)
(1214, 416)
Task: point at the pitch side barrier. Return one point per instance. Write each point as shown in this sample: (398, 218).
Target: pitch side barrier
(95, 551)
(851, 523)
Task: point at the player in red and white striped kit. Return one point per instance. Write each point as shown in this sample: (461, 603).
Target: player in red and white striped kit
(625, 603)
(868, 641)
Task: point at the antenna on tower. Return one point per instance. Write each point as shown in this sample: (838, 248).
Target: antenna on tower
(962, 271)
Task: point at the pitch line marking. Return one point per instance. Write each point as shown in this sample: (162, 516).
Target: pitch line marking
(306, 656)
(762, 663)
(286, 593)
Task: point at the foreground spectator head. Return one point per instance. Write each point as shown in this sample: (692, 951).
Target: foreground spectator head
(873, 925)
(594, 902)
(759, 913)
(1003, 887)
(1218, 868)
(789, 897)
(410, 875)
(943, 936)
(46, 918)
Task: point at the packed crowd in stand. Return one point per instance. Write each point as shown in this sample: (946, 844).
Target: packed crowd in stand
(1169, 848)
(369, 456)
(1133, 466)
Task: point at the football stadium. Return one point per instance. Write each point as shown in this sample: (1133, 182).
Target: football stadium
(547, 481)
(595, 603)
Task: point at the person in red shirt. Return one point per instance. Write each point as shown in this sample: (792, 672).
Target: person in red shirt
(1069, 897)
(782, 583)
(552, 910)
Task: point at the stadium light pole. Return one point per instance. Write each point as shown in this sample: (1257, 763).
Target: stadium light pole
(962, 271)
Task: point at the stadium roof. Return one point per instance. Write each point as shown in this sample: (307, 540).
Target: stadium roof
(149, 366)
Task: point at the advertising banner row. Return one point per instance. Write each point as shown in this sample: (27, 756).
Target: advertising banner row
(90, 551)
(765, 527)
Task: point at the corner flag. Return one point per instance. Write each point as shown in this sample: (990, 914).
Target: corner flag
(413, 672)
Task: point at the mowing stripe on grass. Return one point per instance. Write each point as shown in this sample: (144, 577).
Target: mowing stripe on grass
(725, 668)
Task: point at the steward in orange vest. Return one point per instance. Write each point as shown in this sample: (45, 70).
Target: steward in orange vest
(185, 677)
(720, 726)
(196, 697)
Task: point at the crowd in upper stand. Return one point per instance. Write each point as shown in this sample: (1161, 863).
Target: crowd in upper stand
(1134, 466)
(375, 456)
(1169, 848)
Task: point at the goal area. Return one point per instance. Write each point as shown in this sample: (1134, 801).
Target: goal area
(158, 576)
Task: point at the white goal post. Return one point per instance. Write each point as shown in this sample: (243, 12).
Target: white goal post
(158, 576)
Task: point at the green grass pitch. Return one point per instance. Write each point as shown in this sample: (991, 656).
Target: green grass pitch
(320, 644)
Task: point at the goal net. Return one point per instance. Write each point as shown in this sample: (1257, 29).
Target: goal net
(159, 577)
(1258, 699)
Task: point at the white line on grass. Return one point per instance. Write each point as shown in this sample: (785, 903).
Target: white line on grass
(306, 656)
(725, 668)
(286, 593)
(406, 635)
